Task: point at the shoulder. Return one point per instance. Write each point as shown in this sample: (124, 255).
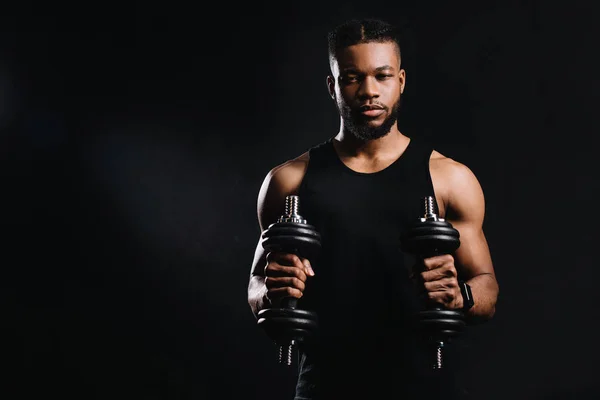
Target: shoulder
(288, 175)
(448, 169)
(453, 181)
(281, 181)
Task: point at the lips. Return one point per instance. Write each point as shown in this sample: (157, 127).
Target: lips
(371, 110)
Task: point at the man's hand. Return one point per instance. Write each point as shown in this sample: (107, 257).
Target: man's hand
(438, 282)
(285, 276)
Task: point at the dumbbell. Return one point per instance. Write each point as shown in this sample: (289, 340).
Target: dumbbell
(288, 324)
(431, 236)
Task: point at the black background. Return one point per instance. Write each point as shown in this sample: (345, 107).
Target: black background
(134, 140)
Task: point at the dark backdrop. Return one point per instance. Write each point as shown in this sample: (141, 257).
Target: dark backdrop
(135, 139)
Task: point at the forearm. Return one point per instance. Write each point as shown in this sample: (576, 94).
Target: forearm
(257, 294)
(485, 294)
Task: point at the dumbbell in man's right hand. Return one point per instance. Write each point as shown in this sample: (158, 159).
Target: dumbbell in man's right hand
(285, 276)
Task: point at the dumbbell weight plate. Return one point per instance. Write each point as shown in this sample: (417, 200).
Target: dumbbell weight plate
(288, 324)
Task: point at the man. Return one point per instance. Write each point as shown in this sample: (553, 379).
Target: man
(361, 189)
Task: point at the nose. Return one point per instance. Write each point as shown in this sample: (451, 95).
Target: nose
(368, 88)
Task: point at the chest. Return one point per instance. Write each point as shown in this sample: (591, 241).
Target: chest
(363, 207)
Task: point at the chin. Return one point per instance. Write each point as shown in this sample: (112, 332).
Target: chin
(371, 125)
(370, 122)
(375, 123)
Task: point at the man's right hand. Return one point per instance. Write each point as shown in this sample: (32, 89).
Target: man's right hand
(285, 276)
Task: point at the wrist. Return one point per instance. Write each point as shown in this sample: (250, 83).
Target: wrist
(266, 301)
(467, 296)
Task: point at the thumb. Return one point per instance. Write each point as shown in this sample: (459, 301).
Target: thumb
(308, 268)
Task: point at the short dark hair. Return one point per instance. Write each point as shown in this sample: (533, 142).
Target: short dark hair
(356, 31)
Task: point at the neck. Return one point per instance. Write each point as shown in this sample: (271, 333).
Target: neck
(349, 145)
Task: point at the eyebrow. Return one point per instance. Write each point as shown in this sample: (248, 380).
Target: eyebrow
(378, 69)
(384, 68)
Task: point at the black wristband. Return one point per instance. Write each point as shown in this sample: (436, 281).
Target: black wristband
(467, 295)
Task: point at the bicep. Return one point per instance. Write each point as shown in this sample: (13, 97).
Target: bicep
(270, 200)
(279, 183)
(466, 212)
(269, 197)
(259, 262)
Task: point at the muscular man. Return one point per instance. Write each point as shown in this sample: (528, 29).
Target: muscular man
(360, 189)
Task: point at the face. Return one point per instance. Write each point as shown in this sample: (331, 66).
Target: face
(366, 84)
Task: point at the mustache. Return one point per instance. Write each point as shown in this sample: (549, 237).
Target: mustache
(372, 106)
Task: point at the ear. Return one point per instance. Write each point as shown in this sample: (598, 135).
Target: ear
(331, 86)
(402, 79)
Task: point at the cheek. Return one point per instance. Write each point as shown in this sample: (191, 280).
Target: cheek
(342, 98)
(393, 92)
(394, 97)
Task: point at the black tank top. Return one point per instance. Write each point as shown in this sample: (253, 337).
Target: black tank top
(361, 290)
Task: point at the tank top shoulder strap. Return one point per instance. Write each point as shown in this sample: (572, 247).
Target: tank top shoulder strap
(318, 160)
(321, 153)
(416, 165)
(418, 152)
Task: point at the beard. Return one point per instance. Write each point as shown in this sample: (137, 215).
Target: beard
(358, 125)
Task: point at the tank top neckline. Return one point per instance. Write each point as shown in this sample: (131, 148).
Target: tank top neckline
(349, 170)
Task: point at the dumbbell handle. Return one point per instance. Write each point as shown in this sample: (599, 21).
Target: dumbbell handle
(289, 302)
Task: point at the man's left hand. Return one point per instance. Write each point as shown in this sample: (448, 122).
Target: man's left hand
(439, 283)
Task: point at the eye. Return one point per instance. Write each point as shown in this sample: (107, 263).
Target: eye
(350, 78)
(384, 76)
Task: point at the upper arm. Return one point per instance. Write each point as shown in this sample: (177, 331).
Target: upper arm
(280, 182)
(464, 203)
